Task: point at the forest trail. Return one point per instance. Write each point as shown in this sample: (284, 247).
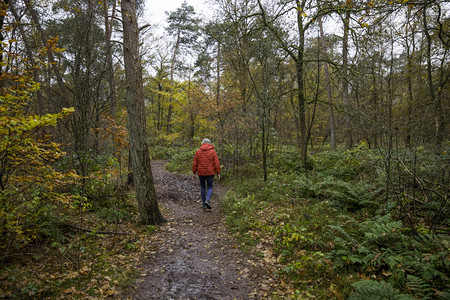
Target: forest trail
(194, 256)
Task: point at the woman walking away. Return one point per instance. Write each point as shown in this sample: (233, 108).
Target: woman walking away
(206, 165)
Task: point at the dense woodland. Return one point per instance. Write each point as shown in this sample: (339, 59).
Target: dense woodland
(330, 119)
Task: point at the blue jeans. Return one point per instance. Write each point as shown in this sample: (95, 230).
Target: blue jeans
(206, 187)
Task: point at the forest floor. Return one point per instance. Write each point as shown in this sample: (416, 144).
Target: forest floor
(193, 255)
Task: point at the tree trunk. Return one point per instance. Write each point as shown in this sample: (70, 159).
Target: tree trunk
(139, 152)
(172, 71)
(300, 84)
(159, 117)
(109, 58)
(409, 77)
(330, 99)
(345, 97)
(296, 122)
(110, 68)
(435, 100)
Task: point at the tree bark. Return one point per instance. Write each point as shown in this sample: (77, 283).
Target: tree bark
(330, 99)
(139, 152)
(345, 97)
(109, 59)
(435, 100)
(110, 67)
(172, 71)
(409, 77)
(300, 83)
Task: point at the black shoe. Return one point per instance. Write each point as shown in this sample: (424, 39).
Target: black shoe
(204, 206)
(208, 206)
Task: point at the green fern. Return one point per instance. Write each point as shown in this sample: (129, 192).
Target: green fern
(419, 287)
(380, 247)
(304, 187)
(374, 290)
(382, 231)
(445, 295)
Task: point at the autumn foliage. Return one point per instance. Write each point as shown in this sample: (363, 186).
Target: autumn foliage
(30, 185)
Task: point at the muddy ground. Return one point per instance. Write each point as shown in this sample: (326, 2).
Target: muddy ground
(194, 256)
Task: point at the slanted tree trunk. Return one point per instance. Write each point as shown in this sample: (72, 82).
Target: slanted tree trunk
(139, 152)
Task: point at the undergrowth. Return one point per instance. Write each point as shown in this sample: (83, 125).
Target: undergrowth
(356, 224)
(83, 248)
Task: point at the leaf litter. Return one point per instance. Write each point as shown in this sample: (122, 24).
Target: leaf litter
(193, 256)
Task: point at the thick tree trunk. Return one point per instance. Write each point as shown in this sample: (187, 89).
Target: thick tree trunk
(139, 152)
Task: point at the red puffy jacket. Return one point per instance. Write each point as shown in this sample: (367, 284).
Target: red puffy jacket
(206, 161)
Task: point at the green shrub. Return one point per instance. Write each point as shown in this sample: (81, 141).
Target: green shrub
(287, 161)
(164, 152)
(347, 165)
(26, 218)
(115, 215)
(240, 211)
(181, 161)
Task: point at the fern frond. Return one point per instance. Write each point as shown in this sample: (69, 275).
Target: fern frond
(419, 286)
(445, 295)
(376, 290)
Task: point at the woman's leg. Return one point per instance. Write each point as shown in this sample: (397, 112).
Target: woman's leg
(203, 188)
(209, 181)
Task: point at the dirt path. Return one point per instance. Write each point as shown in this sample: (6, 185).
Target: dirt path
(194, 256)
